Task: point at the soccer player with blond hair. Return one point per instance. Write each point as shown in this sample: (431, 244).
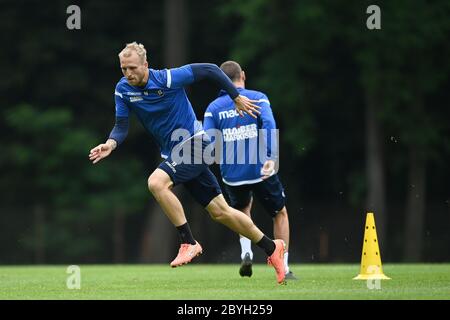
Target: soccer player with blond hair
(158, 99)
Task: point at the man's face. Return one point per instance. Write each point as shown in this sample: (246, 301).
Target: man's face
(134, 69)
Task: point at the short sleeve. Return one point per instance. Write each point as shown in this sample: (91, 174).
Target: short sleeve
(264, 100)
(208, 119)
(268, 121)
(179, 77)
(269, 127)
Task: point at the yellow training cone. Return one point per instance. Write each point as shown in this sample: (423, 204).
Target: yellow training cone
(370, 259)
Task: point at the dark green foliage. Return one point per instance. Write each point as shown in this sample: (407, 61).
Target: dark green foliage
(317, 62)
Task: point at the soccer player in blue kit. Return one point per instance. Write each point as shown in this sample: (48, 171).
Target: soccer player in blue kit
(158, 99)
(243, 177)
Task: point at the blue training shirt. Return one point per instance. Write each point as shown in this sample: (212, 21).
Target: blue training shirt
(161, 105)
(242, 133)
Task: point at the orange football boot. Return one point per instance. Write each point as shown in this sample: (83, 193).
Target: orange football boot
(276, 260)
(186, 253)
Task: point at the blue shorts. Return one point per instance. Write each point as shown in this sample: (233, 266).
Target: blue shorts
(194, 175)
(269, 192)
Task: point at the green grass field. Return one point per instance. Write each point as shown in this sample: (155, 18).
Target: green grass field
(222, 282)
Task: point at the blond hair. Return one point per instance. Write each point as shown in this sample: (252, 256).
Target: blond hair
(136, 47)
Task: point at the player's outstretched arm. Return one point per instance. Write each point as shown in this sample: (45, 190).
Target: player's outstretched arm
(211, 71)
(116, 137)
(102, 150)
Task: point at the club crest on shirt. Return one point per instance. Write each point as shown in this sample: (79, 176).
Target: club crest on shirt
(159, 92)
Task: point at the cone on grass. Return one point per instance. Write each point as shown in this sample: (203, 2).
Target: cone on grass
(370, 259)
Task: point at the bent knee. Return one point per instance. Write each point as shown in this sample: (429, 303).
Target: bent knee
(218, 211)
(154, 185)
(157, 183)
(216, 214)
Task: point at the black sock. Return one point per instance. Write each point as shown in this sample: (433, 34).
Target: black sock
(185, 234)
(267, 245)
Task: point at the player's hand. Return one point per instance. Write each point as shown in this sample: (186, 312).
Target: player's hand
(244, 104)
(268, 169)
(99, 152)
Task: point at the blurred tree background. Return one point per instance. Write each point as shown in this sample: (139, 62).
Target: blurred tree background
(363, 117)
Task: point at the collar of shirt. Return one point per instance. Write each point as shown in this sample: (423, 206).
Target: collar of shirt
(223, 92)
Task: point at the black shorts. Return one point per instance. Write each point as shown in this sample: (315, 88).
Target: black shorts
(195, 176)
(269, 192)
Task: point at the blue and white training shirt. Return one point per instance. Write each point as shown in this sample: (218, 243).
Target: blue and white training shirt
(242, 133)
(162, 105)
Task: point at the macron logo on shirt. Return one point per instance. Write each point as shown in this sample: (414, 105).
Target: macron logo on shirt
(228, 114)
(233, 113)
